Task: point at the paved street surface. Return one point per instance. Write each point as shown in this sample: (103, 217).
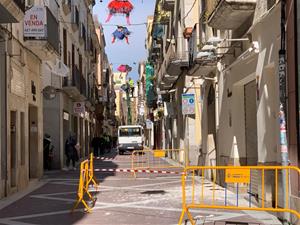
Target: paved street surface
(150, 199)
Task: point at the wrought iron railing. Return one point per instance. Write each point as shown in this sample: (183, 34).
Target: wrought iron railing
(21, 4)
(52, 30)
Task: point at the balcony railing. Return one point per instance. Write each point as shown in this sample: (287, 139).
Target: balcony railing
(20, 4)
(12, 11)
(75, 18)
(52, 30)
(168, 5)
(74, 80)
(83, 87)
(82, 33)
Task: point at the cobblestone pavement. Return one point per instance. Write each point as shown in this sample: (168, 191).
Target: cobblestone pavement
(150, 199)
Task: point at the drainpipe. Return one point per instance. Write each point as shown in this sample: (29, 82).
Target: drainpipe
(282, 113)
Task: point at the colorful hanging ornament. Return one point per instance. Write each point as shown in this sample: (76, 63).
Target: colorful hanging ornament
(121, 33)
(124, 68)
(119, 7)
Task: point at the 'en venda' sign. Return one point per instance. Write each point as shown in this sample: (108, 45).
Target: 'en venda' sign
(35, 22)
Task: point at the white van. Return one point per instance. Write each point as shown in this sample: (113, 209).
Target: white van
(130, 138)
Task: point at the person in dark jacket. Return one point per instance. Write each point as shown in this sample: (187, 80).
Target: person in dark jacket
(48, 152)
(96, 145)
(71, 151)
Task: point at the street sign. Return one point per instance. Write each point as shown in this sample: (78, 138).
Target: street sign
(79, 107)
(148, 124)
(241, 176)
(188, 104)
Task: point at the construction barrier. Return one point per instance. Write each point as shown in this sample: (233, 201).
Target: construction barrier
(239, 184)
(158, 159)
(86, 178)
(137, 171)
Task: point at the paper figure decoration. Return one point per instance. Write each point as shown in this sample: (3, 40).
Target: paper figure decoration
(119, 7)
(121, 33)
(124, 68)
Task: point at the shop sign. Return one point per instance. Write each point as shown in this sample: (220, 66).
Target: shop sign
(148, 124)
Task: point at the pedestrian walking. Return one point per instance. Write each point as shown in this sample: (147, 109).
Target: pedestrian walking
(48, 152)
(102, 145)
(96, 145)
(131, 85)
(71, 151)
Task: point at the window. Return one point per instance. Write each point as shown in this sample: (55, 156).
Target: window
(65, 46)
(133, 132)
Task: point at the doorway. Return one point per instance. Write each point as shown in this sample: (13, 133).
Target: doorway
(33, 141)
(3, 112)
(250, 123)
(13, 148)
(66, 132)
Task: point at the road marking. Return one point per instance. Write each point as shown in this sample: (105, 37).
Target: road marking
(10, 222)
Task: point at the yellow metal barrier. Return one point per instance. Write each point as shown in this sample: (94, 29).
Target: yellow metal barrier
(159, 159)
(92, 178)
(85, 179)
(198, 192)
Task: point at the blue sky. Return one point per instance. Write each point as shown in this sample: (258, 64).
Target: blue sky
(119, 52)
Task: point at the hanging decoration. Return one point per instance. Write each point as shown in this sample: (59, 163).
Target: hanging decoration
(119, 7)
(121, 33)
(124, 68)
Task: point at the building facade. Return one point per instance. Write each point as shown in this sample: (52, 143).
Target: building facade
(72, 110)
(225, 53)
(21, 104)
(50, 52)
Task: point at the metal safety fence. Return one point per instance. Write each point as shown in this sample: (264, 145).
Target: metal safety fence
(231, 188)
(159, 159)
(86, 179)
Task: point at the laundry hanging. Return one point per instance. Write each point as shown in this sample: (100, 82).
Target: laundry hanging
(119, 7)
(121, 33)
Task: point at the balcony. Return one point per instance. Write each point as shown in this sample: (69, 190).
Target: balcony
(75, 85)
(203, 58)
(165, 81)
(75, 18)
(90, 47)
(66, 6)
(168, 5)
(175, 61)
(231, 14)
(12, 11)
(42, 40)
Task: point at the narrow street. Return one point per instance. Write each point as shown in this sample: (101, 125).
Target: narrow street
(153, 199)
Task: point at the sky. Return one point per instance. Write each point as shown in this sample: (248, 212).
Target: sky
(119, 52)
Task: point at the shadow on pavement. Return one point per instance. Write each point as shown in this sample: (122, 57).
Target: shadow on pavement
(52, 203)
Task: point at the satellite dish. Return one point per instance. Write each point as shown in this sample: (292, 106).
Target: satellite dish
(49, 92)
